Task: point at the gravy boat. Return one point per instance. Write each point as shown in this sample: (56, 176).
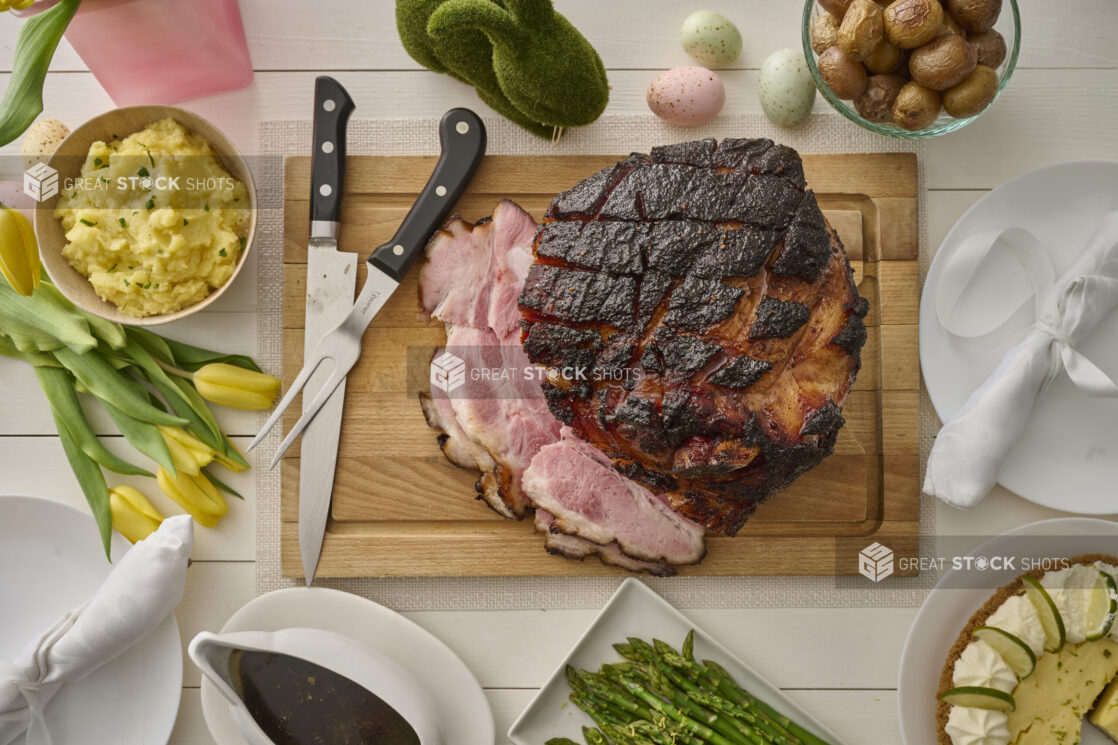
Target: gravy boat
(381, 676)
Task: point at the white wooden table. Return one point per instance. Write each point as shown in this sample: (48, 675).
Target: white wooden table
(840, 664)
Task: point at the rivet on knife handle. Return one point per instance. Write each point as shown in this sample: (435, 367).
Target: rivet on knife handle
(332, 107)
(462, 136)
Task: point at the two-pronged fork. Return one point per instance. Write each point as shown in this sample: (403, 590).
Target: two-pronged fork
(462, 136)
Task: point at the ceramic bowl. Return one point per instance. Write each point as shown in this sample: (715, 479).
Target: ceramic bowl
(67, 160)
(1008, 25)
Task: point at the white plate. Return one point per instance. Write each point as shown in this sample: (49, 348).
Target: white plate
(457, 696)
(635, 610)
(52, 560)
(948, 608)
(1067, 457)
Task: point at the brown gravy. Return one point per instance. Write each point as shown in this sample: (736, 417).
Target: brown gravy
(297, 702)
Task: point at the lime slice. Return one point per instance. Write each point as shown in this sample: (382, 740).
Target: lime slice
(1015, 652)
(1050, 617)
(1101, 606)
(977, 697)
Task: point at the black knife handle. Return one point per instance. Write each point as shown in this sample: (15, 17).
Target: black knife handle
(462, 136)
(332, 107)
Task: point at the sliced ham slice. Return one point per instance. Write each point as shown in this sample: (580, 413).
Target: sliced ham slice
(577, 484)
(471, 282)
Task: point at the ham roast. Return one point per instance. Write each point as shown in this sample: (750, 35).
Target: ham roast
(503, 428)
(700, 323)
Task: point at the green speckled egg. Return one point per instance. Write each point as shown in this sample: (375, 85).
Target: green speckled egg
(711, 38)
(786, 88)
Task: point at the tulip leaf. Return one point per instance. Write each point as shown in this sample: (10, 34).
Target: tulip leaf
(45, 318)
(109, 385)
(221, 485)
(92, 483)
(143, 436)
(36, 359)
(39, 37)
(105, 330)
(201, 419)
(59, 389)
(188, 357)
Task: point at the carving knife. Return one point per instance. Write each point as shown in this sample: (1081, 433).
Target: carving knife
(331, 281)
(462, 135)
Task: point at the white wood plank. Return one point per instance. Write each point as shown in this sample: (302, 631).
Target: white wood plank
(944, 210)
(24, 410)
(1039, 120)
(214, 592)
(190, 727)
(863, 716)
(38, 466)
(792, 648)
(357, 34)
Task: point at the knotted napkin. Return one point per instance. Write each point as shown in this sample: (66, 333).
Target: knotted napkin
(140, 592)
(969, 450)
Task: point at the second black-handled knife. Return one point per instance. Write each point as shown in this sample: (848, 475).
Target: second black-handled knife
(462, 136)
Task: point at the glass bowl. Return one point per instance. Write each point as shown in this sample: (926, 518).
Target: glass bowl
(1008, 25)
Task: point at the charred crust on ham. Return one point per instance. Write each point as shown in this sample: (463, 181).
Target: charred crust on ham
(777, 318)
(740, 372)
(823, 421)
(729, 297)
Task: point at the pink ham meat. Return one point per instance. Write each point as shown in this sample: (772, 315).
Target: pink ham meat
(471, 282)
(577, 484)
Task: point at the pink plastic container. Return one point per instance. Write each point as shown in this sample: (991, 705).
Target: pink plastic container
(161, 51)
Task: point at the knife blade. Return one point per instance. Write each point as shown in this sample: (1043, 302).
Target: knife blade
(463, 139)
(331, 281)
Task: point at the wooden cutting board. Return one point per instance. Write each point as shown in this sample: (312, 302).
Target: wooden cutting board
(401, 509)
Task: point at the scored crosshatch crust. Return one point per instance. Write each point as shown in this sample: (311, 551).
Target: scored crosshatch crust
(732, 298)
(1003, 593)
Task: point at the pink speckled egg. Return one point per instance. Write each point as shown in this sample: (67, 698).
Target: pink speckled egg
(686, 96)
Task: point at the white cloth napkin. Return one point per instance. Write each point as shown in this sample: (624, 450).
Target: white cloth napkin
(139, 593)
(968, 452)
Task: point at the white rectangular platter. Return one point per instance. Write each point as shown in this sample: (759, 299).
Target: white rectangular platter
(635, 610)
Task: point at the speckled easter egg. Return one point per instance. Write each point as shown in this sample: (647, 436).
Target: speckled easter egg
(686, 96)
(710, 38)
(787, 90)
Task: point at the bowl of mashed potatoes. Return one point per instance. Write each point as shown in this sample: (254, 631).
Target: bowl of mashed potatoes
(154, 215)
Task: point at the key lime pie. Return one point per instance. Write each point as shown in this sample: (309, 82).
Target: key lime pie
(1041, 654)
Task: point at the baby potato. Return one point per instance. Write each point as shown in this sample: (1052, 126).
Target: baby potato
(885, 59)
(916, 107)
(989, 46)
(836, 7)
(845, 77)
(912, 23)
(943, 62)
(876, 102)
(975, 15)
(973, 94)
(861, 29)
(824, 32)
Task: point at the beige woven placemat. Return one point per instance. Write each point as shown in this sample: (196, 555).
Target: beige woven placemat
(822, 133)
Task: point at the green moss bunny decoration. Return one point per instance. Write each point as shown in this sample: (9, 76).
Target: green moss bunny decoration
(525, 60)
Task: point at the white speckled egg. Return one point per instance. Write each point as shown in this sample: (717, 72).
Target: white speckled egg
(710, 38)
(686, 96)
(787, 89)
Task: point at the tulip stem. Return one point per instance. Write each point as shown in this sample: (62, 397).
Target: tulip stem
(169, 368)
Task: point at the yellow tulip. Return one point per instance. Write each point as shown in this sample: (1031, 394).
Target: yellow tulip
(188, 453)
(195, 494)
(225, 460)
(134, 517)
(236, 387)
(19, 253)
